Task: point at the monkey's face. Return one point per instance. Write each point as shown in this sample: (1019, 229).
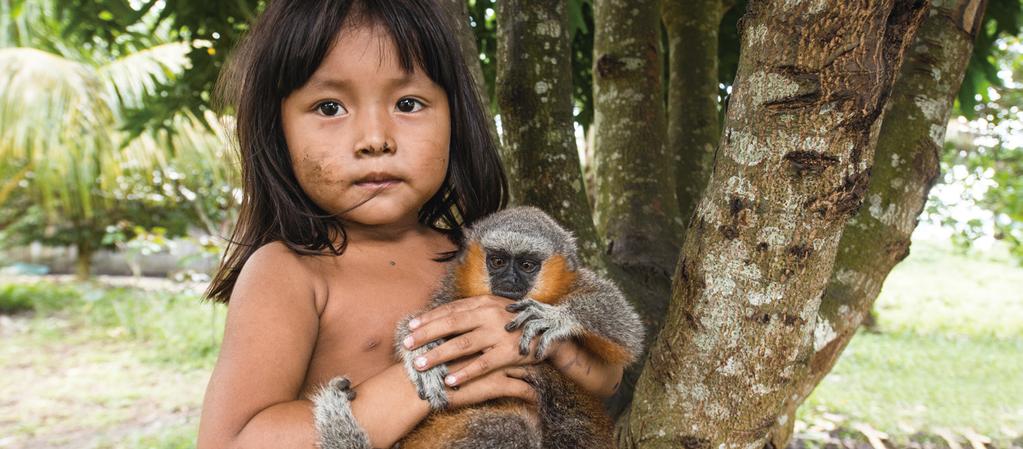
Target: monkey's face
(512, 275)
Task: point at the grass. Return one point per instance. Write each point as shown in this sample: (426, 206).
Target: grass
(94, 366)
(947, 354)
(90, 366)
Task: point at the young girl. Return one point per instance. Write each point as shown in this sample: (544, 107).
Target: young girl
(364, 151)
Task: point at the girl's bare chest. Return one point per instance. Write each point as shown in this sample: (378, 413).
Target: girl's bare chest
(357, 327)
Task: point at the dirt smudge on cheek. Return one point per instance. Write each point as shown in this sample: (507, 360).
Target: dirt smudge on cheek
(318, 172)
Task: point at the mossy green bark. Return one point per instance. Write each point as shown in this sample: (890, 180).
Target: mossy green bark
(692, 129)
(905, 167)
(636, 210)
(792, 168)
(534, 95)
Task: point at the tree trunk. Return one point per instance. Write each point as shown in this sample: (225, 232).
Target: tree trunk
(83, 260)
(692, 128)
(793, 168)
(458, 14)
(534, 94)
(907, 164)
(636, 211)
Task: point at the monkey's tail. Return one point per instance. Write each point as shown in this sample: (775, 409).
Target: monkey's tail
(570, 418)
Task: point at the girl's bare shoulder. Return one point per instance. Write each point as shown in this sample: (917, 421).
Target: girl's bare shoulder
(275, 263)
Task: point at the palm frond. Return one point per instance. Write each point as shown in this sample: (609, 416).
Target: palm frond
(54, 119)
(129, 79)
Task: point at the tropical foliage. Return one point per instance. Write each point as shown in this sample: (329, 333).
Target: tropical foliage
(73, 168)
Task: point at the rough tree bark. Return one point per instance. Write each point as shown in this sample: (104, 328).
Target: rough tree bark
(636, 210)
(458, 14)
(792, 168)
(692, 128)
(534, 95)
(906, 166)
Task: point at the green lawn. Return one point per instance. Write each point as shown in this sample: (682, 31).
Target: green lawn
(99, 367)
(948, 354)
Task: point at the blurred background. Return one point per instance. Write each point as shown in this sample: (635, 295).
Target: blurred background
(119, 185)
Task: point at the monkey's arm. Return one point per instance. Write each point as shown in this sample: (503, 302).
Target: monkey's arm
(594, 312)
(430, 382)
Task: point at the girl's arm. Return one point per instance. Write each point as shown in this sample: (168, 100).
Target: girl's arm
(252, 400)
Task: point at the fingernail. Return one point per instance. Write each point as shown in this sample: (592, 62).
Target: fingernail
(450, 380)
(414, 323)
(420, 361)
(407, 342)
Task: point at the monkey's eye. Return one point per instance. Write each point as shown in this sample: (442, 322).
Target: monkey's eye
(496, 261)
(528, 266)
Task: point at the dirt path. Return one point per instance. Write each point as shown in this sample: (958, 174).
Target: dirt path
(64, 391)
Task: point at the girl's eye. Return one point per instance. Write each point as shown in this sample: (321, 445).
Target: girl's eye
(409, 105)
(330, 108)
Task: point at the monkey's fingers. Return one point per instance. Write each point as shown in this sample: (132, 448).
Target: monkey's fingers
(344, 386)
(521, 305)
(519, 320)
(340, 383)
(548, 339)
(532, 329)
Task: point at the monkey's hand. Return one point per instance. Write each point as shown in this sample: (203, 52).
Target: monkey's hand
(550, 322)
(430, 382)
(332, 412)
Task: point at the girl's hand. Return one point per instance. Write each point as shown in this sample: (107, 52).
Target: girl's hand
(500, 383)
(481, 321)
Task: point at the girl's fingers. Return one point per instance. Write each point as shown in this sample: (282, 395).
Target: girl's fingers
(489, 361)
(460, 305)
(444, 310)
(454, 323)
(480, 366)
(460, 346)
(495, 385)
(516, 372)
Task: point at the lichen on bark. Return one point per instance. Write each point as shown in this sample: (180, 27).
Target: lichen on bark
(905, 167)
(692, 125)
(636, 208)
(793, 167)
(534, 93)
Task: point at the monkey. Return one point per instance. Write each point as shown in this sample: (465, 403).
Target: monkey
(522, 254)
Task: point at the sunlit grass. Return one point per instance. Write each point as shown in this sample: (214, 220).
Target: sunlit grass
(948, 353)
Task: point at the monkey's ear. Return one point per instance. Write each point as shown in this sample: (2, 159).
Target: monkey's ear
(571, 251)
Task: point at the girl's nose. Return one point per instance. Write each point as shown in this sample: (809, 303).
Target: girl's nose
(375, 139)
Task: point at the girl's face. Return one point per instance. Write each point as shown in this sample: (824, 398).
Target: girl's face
(364, 135)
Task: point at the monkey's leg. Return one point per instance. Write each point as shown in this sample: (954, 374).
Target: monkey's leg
(503, 423)
(570, 417)
(429, 383)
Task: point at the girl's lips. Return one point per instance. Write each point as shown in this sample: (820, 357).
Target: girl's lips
(378, 184)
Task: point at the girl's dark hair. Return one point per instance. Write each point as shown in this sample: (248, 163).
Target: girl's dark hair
(281, 52)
